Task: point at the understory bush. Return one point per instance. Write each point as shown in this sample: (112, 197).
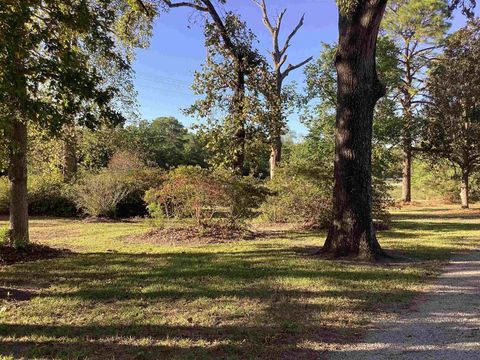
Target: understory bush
(441, 181)
(99, 194)
(117, 190)
(4, 235)
(204, 195)
(4, 196)
(381, 201)
(48, 195)
(142, 177)
(299, 194)
(302, 193)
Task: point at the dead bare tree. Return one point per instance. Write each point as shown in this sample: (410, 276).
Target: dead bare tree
(241, 58)
(274, 93)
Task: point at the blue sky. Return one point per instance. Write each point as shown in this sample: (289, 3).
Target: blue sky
(164, 71)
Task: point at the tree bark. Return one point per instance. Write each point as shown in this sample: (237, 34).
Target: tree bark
(238, 104)
(17, 176)
(407, 170)
(352, 232)
(275, 154)
(464, 189)
(70, 151)
(407, 124)
(274, 98)
(276, 122)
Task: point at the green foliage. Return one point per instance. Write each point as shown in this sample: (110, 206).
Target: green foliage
(96, 148)
(434, 181)
(193, 192)
(51, 63)
(417, 28)
(453, 126)
(300, 193)
(347, 7)
(440, 181)
(117, 190)
(244, 194)
(4, 196)
(164, 142)
(142, 177)
(228, 105)
(98, 195)
(47, 195)
(421, 21)
(4, 235)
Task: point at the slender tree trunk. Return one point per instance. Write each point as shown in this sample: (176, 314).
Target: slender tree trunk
(275, 154)
(17, 176)
(464, 189)
(276, 126)
(238, 104)
(70, 150)
(352, 232)
(407, 123)
(407, 170)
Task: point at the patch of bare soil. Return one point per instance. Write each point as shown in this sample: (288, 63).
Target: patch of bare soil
(105, 220)
(191, 236)
(10, 255)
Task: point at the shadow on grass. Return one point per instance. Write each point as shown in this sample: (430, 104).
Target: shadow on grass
(284, 321)
(421, 214)
(290, 300)
(437, 227)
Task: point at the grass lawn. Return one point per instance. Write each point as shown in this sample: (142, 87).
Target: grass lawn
(263, 298)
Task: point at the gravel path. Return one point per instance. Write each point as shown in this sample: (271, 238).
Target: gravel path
(443, 324)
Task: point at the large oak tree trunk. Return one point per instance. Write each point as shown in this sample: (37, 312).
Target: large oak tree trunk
(464, 189)
(17, 176)
(352, 232)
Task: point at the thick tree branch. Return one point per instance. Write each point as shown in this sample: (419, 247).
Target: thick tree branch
(210, 8)
(144, 7)
(185, 4)
(291, 67)
(265, 18)
(292, 34)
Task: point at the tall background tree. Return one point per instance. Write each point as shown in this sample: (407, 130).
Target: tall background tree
(46, 76)
(358, 90)
(276, 96)
(228, 100)
(453, 127)
(418, 28)
(229, 38)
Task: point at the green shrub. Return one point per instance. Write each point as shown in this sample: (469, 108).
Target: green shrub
(299, 194)
(4, 235)
(98, 194)
(132, 167)
(193, 192)
(244, 194)
(302, 193)
(4, 196)
(381, 201)
(48, 195)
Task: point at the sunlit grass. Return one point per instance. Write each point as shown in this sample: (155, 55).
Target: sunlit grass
(253, 299)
